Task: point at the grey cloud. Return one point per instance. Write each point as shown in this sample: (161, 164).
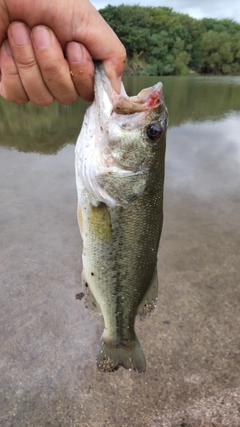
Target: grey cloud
(218, 9)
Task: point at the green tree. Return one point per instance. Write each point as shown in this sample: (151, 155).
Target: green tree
(161, 41)
(217, 52)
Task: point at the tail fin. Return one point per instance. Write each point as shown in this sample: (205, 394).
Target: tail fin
(128, 354)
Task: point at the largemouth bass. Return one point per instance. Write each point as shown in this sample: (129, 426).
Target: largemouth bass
(120, 174)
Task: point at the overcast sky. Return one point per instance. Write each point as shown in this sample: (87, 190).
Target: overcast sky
(197, 8)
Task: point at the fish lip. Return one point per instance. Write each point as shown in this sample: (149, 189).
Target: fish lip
(147, 99)
(144, 94)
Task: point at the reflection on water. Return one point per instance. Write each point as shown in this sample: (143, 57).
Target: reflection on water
(29, 128)
(191, 341)
(46, 130)
(204, 157)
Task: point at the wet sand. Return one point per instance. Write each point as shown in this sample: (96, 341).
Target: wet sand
(191, 342)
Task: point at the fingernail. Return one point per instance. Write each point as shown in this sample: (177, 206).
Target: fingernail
(74, 53)
(41, 37)
(20, 34)
(7, 48)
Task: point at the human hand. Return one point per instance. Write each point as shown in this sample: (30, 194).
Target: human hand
(32, 62)
(34, 68)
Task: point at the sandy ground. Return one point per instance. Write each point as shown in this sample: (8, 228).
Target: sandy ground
(48, 339)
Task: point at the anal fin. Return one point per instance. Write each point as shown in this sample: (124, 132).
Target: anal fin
(90, 301)
(149, 300)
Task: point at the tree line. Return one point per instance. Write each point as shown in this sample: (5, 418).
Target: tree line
(160, 41)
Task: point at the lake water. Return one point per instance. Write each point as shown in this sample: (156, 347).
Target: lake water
(191, 342)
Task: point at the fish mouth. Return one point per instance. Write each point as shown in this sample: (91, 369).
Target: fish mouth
(148, 99)
(109, 102)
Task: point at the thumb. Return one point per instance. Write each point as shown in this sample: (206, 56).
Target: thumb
(102, 44)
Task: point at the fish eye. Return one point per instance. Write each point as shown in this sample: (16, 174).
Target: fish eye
(153, 131)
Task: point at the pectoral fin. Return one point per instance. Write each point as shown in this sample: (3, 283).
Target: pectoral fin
(100, 222)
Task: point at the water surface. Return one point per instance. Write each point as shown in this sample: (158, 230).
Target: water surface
(191, 341)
